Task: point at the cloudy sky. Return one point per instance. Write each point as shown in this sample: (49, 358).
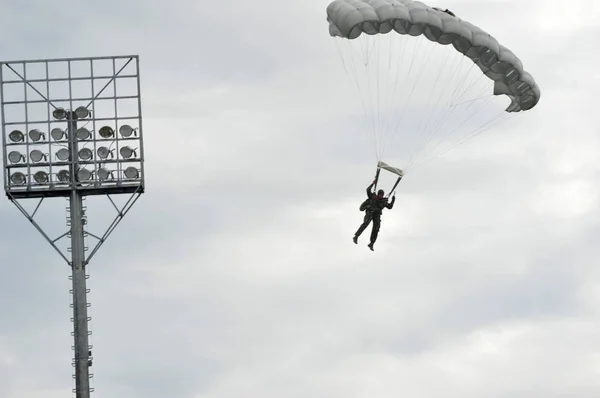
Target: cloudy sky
(235, 274)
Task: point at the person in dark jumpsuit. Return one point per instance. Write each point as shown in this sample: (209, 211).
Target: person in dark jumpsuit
(374, 206)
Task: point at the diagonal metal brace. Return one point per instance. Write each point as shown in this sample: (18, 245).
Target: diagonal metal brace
(31, 219)
(120, 215)
(30, 85)
(109, 82)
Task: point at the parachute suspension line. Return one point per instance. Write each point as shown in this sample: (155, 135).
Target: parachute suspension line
(472, 134)
(382, 76)
(462, 81)
(451, 111)
(388, 93)
(422, 128)
(378, 71)
(367, 50)
(395, 98)
(416, 82)
(376, 178)
(436, 118)
(473, 113)
(470, 104)
(352, 70)
(476, 79)
(497, 120)
(394, 187)
(474, 100)
(449, 132)
(451, 98)
(435, 80)
(412, 90)
(397, 123)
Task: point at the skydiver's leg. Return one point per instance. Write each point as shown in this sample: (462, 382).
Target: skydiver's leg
(375, 231)
(365, 224)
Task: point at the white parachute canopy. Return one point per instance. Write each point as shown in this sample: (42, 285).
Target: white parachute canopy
(425, 77)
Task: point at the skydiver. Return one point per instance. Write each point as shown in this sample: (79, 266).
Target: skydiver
(373, 207)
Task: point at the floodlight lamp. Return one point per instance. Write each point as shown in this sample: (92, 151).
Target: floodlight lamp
(104, 174)
(104, 152)
(17, 178)
(41, 177)
(15, 157)
(36, 156)
(63, 176)
(83, 133)
(63, 154)
(126, 130)
(127, 152)
(106, 132)
(35, 135)
(16, 136)
(57, 133)
(59, 113)
(82, 112)
(84, 175)
(85, 154)
(131, 172)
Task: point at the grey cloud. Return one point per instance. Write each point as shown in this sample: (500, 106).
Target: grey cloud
(235, 273)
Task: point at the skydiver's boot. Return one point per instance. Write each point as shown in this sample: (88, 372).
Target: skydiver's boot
(371, 246)
(355, 239)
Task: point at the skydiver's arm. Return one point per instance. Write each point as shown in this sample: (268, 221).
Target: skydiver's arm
(391, 204)
(369, 191)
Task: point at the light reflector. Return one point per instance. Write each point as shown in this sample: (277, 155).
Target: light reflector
(104, 174)
(127, 152)
(15, 157)
(36, 156)
(41, 177)
(63, 176)
(59, 113)
(131, 172)
(36, 135)
(104, 152)
(83, 133)
(17, 178)
(16, 136)
(126, 130)
(63, 154)
(57, 134)
(106, 132)
(85, 154)
(84, 175)
(82, 112)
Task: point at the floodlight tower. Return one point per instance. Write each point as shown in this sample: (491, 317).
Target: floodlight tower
(71, 128)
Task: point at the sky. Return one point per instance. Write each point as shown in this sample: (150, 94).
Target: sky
(235, 273)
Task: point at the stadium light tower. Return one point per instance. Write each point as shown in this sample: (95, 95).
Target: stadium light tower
(72, 128)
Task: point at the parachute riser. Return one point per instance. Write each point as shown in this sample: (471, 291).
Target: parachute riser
(394, 187)
(377, 181)
(376, 178)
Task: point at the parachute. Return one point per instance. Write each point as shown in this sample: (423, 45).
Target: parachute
(426, 75)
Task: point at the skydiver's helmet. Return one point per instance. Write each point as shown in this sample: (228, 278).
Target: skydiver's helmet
(380, 193)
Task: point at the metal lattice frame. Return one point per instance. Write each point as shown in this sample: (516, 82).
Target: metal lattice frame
(21, 112)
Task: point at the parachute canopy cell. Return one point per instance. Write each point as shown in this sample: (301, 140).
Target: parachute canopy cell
(350, 18)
